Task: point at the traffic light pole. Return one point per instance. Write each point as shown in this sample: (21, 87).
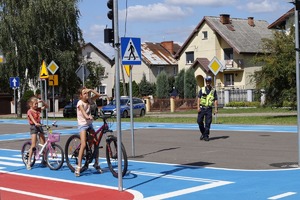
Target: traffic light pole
(297, 7)
(117, 90)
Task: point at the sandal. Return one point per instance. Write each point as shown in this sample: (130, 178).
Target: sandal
(98, 168)
(77, 171)
(28, 166)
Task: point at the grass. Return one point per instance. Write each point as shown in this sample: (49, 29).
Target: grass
(245, 119)
(287, 119)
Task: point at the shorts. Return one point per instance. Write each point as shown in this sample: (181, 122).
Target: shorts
(85, 127)
(36, 129)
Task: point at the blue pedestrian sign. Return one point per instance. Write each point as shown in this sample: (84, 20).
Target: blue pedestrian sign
(131, 51)
(14, 82)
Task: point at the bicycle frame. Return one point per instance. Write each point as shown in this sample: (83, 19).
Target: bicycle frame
(45, 146)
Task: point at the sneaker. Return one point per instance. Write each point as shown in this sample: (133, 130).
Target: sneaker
(98, 168)
(206, 138)
(28, 167)
(77, 171)
(201, 137)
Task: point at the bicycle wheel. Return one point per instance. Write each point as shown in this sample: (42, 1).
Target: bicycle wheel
(54, 157)
(71, 153)
(112, 157)
(25, 153)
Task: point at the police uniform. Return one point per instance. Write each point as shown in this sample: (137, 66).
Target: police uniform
(207, 98)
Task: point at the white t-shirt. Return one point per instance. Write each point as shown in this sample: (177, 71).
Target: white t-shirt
(80, 118)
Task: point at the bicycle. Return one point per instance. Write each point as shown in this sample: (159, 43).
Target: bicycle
(51, 153)
(73, 144)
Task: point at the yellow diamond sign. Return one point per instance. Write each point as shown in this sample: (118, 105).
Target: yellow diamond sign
(215, 66)
(52, 67)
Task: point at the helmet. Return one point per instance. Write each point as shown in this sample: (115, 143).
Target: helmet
(208, 78)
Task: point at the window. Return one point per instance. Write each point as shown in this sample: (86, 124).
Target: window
(189, 57)
(229, 79)
(204, 35)
(102, 89)
(88, 55)
(174, 71)
(228, 54)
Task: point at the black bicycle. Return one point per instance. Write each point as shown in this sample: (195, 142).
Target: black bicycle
(73, 144)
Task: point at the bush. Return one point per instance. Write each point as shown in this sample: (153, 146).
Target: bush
(243, 104)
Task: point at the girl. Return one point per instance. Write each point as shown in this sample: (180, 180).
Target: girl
(34, 119)
(85, 122)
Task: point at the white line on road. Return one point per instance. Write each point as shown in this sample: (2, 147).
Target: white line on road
(282, 195)
(31, 194)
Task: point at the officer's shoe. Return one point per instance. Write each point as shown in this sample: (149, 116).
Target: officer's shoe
(201, 137)
(206, 138)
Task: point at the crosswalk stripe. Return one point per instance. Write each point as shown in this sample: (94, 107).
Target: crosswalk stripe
(11, 164)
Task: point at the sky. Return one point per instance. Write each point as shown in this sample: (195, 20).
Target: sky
(167, 20)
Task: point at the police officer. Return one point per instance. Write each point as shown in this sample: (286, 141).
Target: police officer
(207, 97)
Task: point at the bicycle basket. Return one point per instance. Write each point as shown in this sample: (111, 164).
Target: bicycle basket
(54, 137)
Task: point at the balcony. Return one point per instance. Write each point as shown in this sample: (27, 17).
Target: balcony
(233, 64)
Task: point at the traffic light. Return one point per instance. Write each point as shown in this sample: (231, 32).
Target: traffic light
(297, 2)
(109, 32)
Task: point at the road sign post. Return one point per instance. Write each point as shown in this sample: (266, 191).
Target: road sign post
(215, 66)
(53, 81)
(15, 84)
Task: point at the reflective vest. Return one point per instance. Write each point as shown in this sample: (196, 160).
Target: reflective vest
(207, 99)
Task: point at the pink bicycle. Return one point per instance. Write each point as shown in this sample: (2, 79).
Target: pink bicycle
(51, 153)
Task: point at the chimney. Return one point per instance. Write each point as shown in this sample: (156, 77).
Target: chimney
(168, 45)
(251, 21)
(225, 18)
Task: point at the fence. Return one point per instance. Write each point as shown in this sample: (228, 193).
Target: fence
(224, 97)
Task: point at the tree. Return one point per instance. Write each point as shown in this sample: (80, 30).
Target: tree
(145, 87)
(96, 74)
(36, 30)
(278, 75)
(179, 83)
(162, 85)
(190, 84)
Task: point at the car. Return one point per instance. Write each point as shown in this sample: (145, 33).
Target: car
(139, 107)
(70, 109)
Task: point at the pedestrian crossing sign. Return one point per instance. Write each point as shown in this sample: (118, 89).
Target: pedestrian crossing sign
(131, 51)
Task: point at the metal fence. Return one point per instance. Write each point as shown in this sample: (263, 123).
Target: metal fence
(224, 97)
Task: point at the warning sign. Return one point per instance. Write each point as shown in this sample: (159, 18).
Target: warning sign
(44, 72)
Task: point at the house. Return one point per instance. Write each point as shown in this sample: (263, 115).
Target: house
(156, 57)
(92, 53)
(285, 21)
(232, 41)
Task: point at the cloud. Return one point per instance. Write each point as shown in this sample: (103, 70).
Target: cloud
(155, 12)
(261, 6)
(216, 3)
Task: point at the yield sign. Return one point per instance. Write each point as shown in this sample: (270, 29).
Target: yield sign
(215, 66)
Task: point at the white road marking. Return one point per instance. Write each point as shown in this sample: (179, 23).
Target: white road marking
(11, 164)
(210, 183)
(10, 158)
(30, 194)
(282, 195)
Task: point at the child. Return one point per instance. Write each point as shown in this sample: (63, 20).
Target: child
(85, 122)
(34, 119)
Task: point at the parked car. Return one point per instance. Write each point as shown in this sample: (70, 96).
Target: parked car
(139, 107)
(70, 109)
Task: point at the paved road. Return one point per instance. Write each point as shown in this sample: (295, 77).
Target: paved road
(239, 162)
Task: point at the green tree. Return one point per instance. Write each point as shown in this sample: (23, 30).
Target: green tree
(145, 87)
(36, 30)
(162, 86)
(179, 83)
(278, 75)
(96, 74)
(135, 89)
(190, 84)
